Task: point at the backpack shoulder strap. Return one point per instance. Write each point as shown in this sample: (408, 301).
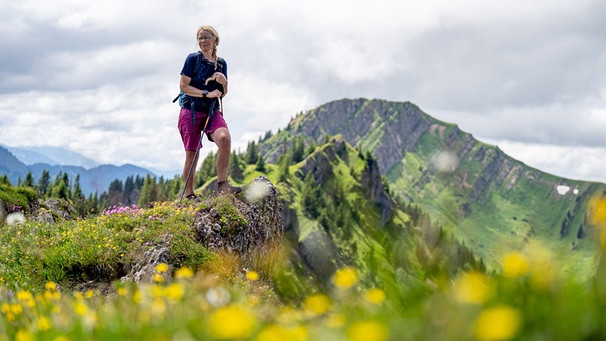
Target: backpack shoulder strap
(198, 62)
(220, 64)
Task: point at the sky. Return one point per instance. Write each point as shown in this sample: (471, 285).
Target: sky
(98, 77)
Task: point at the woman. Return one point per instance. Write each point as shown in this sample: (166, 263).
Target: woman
(203, 83)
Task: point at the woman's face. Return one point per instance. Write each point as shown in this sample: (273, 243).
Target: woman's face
(206, 40)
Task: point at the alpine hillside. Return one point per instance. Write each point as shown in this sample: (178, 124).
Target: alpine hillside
(491, 202)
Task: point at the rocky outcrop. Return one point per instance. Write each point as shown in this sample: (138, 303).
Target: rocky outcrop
(251, 231)
(260, 229)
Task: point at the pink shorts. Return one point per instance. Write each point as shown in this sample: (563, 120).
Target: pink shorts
(192, 134)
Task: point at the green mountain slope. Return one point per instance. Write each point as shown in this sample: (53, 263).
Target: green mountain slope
(339, 213)
(488, 200)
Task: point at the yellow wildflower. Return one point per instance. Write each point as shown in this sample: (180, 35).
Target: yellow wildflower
(16, 308)
(24, 295)
(543, 270)
(122, 291)
(598, 211)
(272, 333)
(52, 295)
(158, 278)
(472, 287)
(231, 322)
(23, 335)
(157, 291)
(252, 275)
(184, 273)
(515, 265)
(597, 217)
(174, 291)
(51, 286)
(80, 308)
(44, 323)
(161, 267)
(280, 333)
(374, 295)
(345, 278)
(297, 333)
(317, 304)
(368, 331)
(497, 323)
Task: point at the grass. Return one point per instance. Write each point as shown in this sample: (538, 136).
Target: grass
(35, 252)
(198, 296)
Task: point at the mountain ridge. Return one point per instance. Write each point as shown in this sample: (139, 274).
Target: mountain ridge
(486, 198)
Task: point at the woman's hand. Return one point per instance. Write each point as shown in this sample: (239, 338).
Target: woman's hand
(214, 94)
(219, 77)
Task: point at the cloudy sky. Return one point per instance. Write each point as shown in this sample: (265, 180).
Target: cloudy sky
(98, 77)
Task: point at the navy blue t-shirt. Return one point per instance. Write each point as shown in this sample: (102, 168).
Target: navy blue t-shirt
(206, 70)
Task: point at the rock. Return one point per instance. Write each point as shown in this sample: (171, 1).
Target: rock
(144, 269)
(256, 235)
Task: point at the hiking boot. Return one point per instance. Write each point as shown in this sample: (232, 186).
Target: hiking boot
(193, 198)
(225, 187)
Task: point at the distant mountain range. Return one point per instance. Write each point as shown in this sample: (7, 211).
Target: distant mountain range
(51, 156)
(16, 162)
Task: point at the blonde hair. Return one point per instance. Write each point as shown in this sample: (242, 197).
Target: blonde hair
(215, 35)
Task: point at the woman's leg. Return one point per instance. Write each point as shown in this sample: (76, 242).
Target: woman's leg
(222, 138)
(187, 166)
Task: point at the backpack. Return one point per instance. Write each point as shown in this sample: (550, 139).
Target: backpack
(194, 103)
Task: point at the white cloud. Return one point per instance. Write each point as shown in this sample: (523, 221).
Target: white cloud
(98, 77)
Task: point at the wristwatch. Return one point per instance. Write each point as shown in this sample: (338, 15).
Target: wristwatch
(204, 93)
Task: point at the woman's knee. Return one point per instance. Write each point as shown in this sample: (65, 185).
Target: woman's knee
(222, 137)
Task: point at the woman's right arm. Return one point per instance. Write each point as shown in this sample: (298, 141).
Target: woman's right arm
(193, 91)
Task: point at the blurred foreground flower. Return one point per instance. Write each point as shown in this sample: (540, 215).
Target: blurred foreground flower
(317, 304)
(543, 269)
(280, 333)
(252, 275)
(231, 322)
(345, 278)
(515, 265)
(472, 287)
(598, 211)
(497, 323)
(597, 217)
(368, 331)
(161, 267)
(375, 295)
(184, 273)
